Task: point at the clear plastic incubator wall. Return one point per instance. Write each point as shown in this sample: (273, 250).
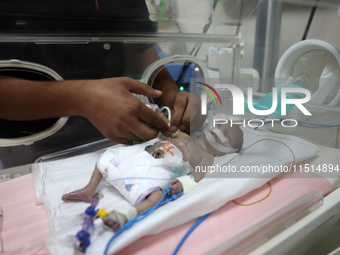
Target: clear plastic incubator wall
(262, 45)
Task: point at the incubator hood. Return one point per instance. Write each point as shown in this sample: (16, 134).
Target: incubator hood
(249, 44)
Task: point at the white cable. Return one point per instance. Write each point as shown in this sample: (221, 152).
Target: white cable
(169, 112)
(169, 119)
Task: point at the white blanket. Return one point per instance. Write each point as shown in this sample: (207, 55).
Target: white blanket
(53, 179)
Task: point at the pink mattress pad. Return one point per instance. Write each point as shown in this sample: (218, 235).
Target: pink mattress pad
(25, 224)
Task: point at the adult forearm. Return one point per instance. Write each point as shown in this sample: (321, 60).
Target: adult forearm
(29, 100)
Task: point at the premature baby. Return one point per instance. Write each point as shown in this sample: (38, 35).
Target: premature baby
(141, 172)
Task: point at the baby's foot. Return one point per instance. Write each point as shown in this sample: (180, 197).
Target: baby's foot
(81, 194)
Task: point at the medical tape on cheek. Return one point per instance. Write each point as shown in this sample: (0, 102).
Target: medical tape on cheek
(169, 148)
(188, 183)
(221, 136)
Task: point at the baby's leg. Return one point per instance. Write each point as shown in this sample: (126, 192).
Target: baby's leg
(85, 194)
(117, 218)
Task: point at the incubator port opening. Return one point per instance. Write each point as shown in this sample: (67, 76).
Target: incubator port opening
(26, 132)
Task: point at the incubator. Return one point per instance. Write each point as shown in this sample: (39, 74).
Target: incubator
(285, 51)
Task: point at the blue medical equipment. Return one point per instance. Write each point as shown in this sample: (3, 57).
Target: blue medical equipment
(83, 235)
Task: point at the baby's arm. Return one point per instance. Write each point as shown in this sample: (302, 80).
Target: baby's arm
(206, 160)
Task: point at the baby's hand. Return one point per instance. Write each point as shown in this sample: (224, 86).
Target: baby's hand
(176, 186)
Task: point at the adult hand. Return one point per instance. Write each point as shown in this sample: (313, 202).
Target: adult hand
(186, 112)
(120, 116)
(185, 107)
(107, 103)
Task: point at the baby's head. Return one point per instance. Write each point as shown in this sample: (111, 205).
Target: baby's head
(222, 139)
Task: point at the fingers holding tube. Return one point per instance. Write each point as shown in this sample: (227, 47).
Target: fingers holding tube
(153, 119)
(118, 114)
(141, 126)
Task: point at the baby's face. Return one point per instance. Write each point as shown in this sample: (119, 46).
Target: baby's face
(235, 135)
